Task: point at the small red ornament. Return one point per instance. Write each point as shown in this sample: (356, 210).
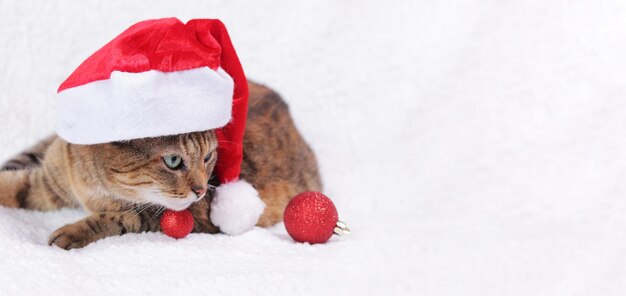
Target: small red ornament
(177, 224)
(311, 217)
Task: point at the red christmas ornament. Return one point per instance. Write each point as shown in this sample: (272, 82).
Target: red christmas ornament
(177, 224)
(311, 217)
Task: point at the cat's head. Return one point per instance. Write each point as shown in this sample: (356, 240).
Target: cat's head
(171, 171)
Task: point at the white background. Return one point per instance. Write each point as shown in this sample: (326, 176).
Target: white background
(475, 147)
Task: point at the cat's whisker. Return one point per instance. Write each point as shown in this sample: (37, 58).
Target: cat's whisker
(158, 212)
(133, 207)
(142, 209)
(224, 141)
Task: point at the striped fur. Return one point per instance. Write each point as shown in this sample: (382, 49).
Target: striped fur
(126, 185)
(30, 158)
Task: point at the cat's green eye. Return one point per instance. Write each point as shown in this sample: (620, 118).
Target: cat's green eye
(208, 157)
(173, 161)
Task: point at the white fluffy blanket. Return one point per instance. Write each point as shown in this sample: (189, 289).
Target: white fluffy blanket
(475, 148)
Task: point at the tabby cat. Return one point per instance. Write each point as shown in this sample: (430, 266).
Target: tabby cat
(125, 185)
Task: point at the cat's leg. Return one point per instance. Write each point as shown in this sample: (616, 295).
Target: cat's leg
(200, 211)
(101, 225)
(276, 195)
(29, 189)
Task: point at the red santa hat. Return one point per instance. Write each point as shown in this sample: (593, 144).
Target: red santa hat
(163, 77)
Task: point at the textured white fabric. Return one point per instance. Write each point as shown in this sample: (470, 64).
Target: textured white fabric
(474, 147)
(147, 104)
(236, 207)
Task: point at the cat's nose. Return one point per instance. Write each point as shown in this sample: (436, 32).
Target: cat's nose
(200, 191)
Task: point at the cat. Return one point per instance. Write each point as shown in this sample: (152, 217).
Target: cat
(124, 186)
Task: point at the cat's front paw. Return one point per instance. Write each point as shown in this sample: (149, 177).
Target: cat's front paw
(71, 237)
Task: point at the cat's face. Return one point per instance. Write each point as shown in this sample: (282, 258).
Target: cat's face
(170, 171)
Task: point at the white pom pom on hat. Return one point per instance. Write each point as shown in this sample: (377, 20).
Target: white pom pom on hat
(236, 207)
(130, 88)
